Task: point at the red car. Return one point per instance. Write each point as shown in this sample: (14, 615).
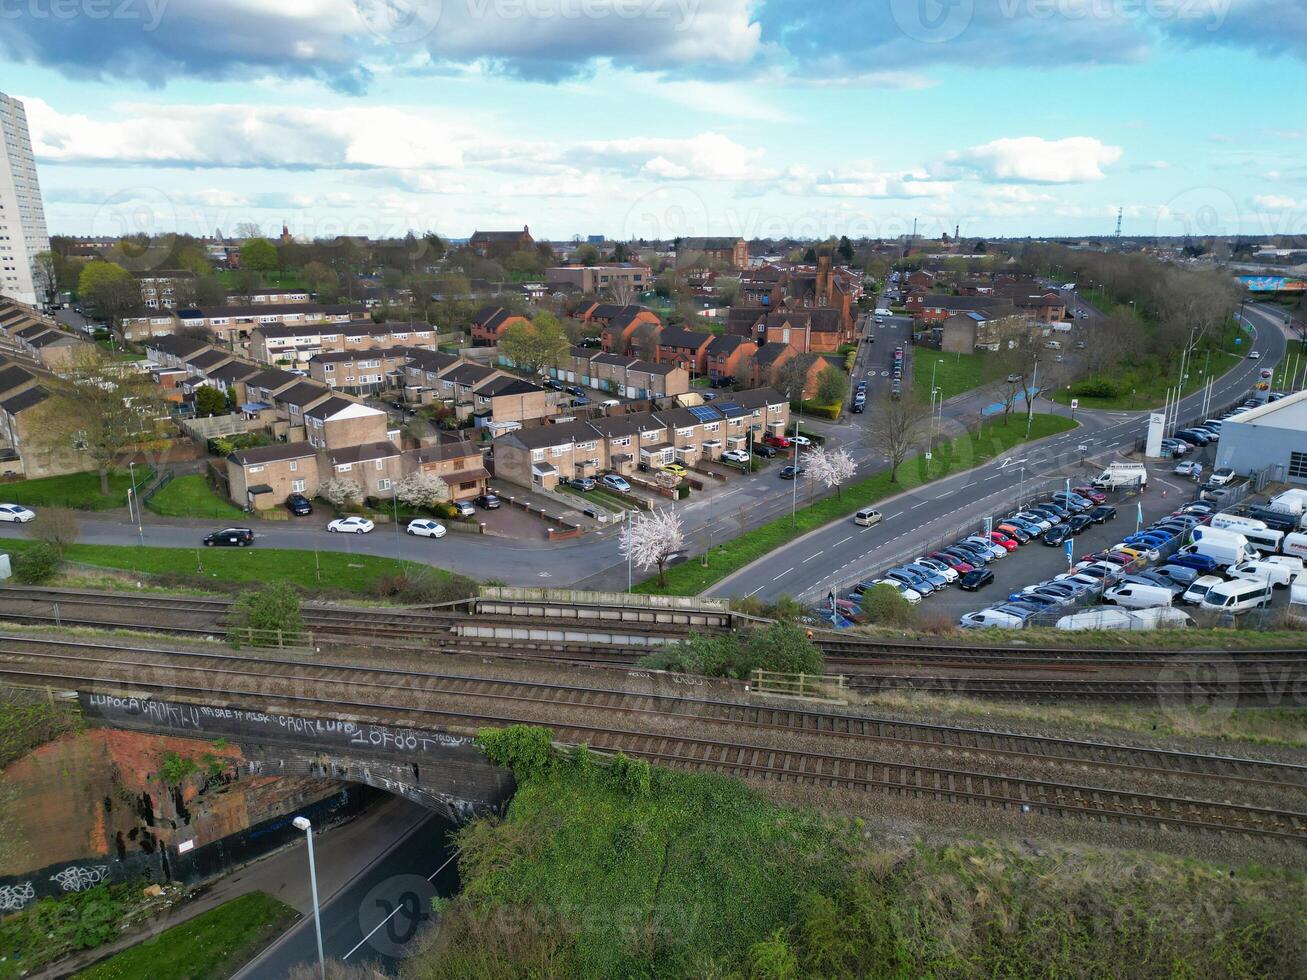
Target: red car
(779, 442)
(1114, 557)
(957, 564)
(1003, 541)
(1097, 496)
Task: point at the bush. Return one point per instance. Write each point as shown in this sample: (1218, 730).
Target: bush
(525, 749)
(57, 528)
(884, 606)
(35, 566)
(783, 647)
(1095, 389)
(422, 587)
(266, 617)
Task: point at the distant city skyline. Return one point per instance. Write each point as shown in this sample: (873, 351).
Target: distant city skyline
(760, 118)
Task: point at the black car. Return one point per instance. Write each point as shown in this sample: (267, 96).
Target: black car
(1056, 534)
(859, 408)
(299, 505)
(790, 472)
(1102, 513)
(230, 537)
(576, 390)
(975, 579)
(766, 452)
(1079, 523)
(488, 501)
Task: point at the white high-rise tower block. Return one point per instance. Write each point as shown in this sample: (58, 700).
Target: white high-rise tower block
(22, 216)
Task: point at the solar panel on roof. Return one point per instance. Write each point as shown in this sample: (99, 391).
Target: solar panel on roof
(705, 413)
(730, 410)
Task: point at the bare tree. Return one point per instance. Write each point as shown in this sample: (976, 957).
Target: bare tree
(622, 292)
(651, 539)
(45, 276)
(57, 527)
(897, 427)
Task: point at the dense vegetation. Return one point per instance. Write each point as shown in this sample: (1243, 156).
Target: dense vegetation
(593, 874)
(782, 646)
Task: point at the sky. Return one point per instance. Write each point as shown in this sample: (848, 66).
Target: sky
(657, 118)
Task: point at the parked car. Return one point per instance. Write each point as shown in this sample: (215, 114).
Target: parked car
(1055, 536)
(676, 469)
(1221, 476)
(735, 456)
(230, 537)
(859, 408)
(1015, 531)
(350, 525)
(958, 565)
(912, 595)
(1079, 523)
(975, 579)
(950, 573)
(299, 505)
(424, 528)
(1040, 520)
(780, 442)
(16, 514)
(766, 452)
(465, 508)
(1089, 493)
(488, 501)
(1185, 468)
(582, 483)
(801, 441)
(1004, 541)
(611, 481)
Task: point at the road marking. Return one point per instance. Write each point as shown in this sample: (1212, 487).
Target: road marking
(842, 540)
(397, 908)
(756, 591)
(892, 516)
(922, 504)
(782, 574)
(811, 557)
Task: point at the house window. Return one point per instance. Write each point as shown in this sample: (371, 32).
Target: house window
(344, 467)
(294, 465)
(296, 486)
(383, 484)
(328, 368)
(381, 464)
(256, 469)
(537, 455)
(1298, 466)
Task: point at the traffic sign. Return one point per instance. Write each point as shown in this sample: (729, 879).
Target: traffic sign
(1075, 402)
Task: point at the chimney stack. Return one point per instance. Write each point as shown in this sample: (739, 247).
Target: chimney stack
(823, 279)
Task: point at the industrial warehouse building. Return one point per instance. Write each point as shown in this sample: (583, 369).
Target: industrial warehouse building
(1274, 436)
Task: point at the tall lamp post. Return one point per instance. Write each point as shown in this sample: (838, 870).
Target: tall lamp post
(794, 491)
(302, 823)
(140, 528)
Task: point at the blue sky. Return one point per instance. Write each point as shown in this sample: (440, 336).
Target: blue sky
(651, 118)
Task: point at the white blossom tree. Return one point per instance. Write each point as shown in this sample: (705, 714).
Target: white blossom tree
(341, 493)
(833, 469)
(420, 489)
(649, 540)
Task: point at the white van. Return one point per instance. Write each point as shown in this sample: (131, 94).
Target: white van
(1199, 588)
(1294, 501)
(1223, 547)
(1122, 475)
(1160, 617)
(1267, 542)
(1235, 522)
(1298, 597)
(1134, 596)
(1292, 562)
(1295, 544)
(867, 517)
(990, 618)
(1238, 596)
(1278, 575)
(1096, 619)
(881, 311)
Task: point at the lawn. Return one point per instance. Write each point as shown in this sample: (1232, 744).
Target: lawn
(953, 373)
(309, 570)
(1289, 372)
(211, 946)
(80, 491)
(960, 454)
(290, 280)
(191, 496)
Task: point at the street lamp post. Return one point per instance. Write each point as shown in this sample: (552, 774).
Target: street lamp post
(302, 823)
(140, 527)
(794, 491)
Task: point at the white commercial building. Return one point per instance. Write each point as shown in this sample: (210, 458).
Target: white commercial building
(1274, 435)
(22, 216)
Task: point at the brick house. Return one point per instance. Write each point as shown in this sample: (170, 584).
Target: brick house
(359, 372)
(492, 243)
(935, 307)
(598, 278)
(233, 325)
(627, 377)
(716, 250)
(763, 287)
(264, 476)
(685, 348)
(337, 422)
(730, 356)
(619, 334)
(459, 463)
(490, 324)
(375, 466)
(505, 398)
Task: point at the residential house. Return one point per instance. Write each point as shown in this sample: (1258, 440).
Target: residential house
(730, 356)
(632, 330)
(763, 287)
(421, 374)
(1044, 305)
(491, 323)
(293, 401)
(264, 476)
(601, 278)
(626, 377)
(337, 422)
(935, 307)
(233, 325)
(375, 466)
(459, 463)
(360, 372)
(973, 330)
(297, 345)
(173, 350)
(505, 398)
(160, 288)
(685, 348)
(55, 349)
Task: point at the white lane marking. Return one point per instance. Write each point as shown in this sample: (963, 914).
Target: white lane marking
(811, 557)
(842, 540)
(782, 574)
(756, 591)
(392, 914)
(892, 516)
(922, 504)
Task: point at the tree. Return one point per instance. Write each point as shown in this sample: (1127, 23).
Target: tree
(209, 401)
(845, 249)
(783, 647)
(535, 344)
(45, 276)
(98, 273)
(832, 468)
(896, 428)
(810, 256)
(649, 540)
(100, 409)
(248, 229)
(57, 528)
(322, 279)
(586, 255)
(792, 378)
(341, 493)
(884, 605)
(266, 616)
(420, 489)
(832, 386)
(258, 254)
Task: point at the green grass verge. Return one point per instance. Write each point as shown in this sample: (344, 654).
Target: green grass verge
(962, 453)
(331, 569)
(696, 876)
(80, 491)
(1291, 368)
(211, 946)
(191, 496)
(953, 373)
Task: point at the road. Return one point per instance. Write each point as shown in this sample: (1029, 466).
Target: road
(376, 916)
(840, 554)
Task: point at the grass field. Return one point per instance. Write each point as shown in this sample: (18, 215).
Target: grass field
(953, 373)
(80, 491)
(271, 278)
(962, 453)
(211, 946)
(191, 496)
(325, 570)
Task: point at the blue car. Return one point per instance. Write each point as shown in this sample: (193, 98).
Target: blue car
(1202, 563)
(1148, 539)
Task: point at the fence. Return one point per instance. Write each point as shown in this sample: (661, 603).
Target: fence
(832, 688)
(217, 425)
(585, 597)
(162, 479)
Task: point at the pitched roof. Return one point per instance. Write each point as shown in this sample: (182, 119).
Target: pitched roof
(363, 354)
(303, 392)
(468, 374)
(498, 236)
(453, 449)
(363, 453)
(25, 400)
(235, 371)
(272, 454)
(506, 385)
(272, 379)
(207, 359)
(176, 346)
(11, 376)
(335, 405)
(433, 361)
(543, 436)
(771, 352)
(727, 343)
(758, 398)
(680, 337)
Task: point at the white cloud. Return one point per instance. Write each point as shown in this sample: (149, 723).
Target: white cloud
(1278, 202)
(1032, 159)
(707, 156)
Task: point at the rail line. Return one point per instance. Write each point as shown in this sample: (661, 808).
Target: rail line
(685, 707)
(817, 768)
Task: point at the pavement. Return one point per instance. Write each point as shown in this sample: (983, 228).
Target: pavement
(841, 552)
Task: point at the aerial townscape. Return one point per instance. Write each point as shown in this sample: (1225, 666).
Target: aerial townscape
(632, 488)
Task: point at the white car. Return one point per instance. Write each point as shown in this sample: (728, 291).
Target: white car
(912, 595)
(426, 529)
(801, 440)
(1185, 468)
(16, 514)
(1220, 477)
(1254, 355)
(351, 525)
(735, 456)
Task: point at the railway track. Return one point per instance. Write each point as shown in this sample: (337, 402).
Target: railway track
(225, 675)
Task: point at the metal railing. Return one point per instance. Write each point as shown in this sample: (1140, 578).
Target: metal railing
(584, 597)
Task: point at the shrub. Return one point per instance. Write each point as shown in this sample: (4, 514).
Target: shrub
(525, 749)
(36, 565)
(634, 777)
(784, 647)
(884, 606)
(174, 768)
(1095, 389)
(57, 528)
(267, 616)
(423, 587)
